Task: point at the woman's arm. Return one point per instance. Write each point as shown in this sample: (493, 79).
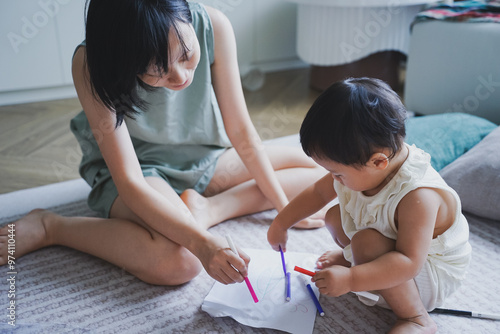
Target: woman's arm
(116, 147)
(237, 122)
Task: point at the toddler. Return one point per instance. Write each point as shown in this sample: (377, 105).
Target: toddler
(399, 225)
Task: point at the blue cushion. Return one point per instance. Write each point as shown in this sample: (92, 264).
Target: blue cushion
(446, 136)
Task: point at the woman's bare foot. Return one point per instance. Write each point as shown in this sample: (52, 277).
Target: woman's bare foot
(422, 324)
(204, 210)
(200, 208)
(310, 223)
(29, 232)
(331, 258)
(316, 220)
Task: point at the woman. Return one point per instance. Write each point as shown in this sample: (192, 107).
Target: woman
(168, 146)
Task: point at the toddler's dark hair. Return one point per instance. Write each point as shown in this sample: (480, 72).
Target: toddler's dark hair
(353, 118)
(123, 38)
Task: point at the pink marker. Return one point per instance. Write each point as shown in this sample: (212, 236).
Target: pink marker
(250, 288)
(247, 281)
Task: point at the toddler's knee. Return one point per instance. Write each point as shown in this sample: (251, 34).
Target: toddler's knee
(333, 223)
(369, 244)
(332, 217)
(173, 269)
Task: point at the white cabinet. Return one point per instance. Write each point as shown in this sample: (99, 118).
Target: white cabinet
(29, 40)
(275, 31)
(36, 45)
(71, 32)
(38, 38)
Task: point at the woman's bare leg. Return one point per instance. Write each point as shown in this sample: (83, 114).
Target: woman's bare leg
(128, 243)
(243, 199)
(122, 240)
(233, 193)
(404, 299)
(29, 233)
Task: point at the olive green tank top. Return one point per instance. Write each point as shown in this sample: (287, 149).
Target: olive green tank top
(180, 134)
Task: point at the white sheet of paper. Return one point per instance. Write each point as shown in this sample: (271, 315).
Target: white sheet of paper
(266, 275)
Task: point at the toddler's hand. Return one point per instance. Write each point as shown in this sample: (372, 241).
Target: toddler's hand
(276, 236)
(333, 281)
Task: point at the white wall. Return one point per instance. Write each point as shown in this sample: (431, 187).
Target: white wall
(38, 37)
(265, 32)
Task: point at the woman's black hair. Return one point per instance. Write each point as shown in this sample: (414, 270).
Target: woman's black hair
(123, 39)
(353, 118)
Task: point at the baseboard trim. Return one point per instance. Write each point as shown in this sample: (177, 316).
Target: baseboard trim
(37, 95)
(280, 65)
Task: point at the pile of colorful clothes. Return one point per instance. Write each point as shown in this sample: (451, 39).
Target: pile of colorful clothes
(463, 11)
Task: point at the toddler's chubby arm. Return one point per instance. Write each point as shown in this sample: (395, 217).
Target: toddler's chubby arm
(308, 202)
(416, 220)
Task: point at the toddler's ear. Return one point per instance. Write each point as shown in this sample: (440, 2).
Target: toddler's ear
(379, 160)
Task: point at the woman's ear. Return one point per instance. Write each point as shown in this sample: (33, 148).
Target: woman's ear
(379, 160)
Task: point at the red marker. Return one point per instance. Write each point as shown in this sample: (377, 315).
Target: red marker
(304, 271)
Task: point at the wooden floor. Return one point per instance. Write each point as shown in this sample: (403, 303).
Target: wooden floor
(38, 148)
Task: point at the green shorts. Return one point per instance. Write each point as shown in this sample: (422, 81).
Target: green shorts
(104, 192)
(182, 166)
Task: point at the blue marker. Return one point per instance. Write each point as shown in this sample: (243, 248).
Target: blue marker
(288, 290)
(287, 277)
(315, 300)
(283, 260)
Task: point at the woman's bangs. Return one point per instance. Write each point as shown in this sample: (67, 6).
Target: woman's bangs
(154, 41)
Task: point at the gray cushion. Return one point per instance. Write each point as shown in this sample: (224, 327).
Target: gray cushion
(476, 177)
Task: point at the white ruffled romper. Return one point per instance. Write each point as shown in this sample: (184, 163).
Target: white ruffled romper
(449, 253)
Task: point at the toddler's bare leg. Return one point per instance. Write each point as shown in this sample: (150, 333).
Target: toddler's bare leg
(334, 225)
(405, 302)
(404, 299)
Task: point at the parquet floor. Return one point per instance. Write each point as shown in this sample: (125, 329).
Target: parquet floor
(38, 148)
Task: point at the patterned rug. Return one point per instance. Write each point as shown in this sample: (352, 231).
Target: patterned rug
(59, 290)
